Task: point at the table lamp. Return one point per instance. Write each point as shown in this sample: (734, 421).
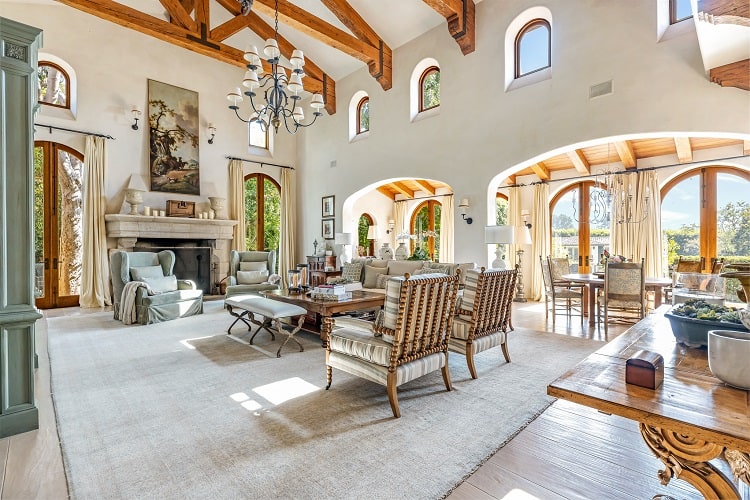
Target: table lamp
(499, 235)
(345, 240)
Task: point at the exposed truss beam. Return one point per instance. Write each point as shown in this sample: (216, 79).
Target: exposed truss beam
(579, 161)
(626, 154)
(425, 186)
(684, 149)
(403, 189)
(541, 171)
(461, 21)
(315, 27)
(386, 192)
(178, 14)
(736, 74)
(511, 180)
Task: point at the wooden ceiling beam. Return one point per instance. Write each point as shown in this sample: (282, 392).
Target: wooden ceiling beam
(626, 153)
(402, 188)
(684, 149)
(511, 180)
(178, 14)
(202, 17)
(461, 21)
(425, 186)
(541, 171)
(188, 5)
(736, 74)
(382, 68)
(386, 192)
(580, 162)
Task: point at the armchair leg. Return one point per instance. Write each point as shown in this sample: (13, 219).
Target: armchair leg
(447, 374)
(470, 362)
(329, 372)
(392, 396)
(504, 345)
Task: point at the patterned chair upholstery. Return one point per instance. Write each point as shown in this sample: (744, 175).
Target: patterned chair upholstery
(408, 339)
(483, 314)
(624, 297)
(564, 296)
(560, 266)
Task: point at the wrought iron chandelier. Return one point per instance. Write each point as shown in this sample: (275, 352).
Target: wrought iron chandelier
(280, 93)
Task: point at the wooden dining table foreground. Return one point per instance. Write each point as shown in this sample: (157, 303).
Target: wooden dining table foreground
(691, 418)
(595, 282)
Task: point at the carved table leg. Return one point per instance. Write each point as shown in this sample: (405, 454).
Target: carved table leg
(326, 326)
(687, 458)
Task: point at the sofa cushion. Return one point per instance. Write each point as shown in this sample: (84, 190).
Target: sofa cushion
(253, 266)
(162, 284)
(382, 279)
(361, 344)
(436, 267)
(140, 273)
(251, 277)
(371, 276)
(352, 271)
(401, 267)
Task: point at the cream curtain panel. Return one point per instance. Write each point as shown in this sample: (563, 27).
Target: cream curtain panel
(540, 242)
(399, 216)
(237, 203)
(514, 219)
(95, 272)
(288, 226)
(446, 229)
(640, 238)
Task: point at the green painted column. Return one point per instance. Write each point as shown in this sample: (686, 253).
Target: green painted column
(19, 45)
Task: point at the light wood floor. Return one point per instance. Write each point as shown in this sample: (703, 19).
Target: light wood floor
(570, 451)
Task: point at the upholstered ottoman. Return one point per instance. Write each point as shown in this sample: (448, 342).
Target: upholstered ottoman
(273, 311)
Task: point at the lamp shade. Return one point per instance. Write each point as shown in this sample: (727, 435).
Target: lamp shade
(499, 234)
(343, 239)
(136, 183)
(372, 233)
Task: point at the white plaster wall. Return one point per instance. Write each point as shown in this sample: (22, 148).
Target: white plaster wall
(482, 131)
(113, 65)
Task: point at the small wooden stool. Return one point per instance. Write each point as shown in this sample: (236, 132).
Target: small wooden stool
(273, 311)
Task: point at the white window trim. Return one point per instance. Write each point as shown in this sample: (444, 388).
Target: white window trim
(510, 49)
(353, 117)
(56, 111)
(666, 31)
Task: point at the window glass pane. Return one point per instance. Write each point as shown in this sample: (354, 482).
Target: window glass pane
(501, 211)
(364, 116)
(271, 217)
(733, 229)
(38, 222)
(365, 246)
(438, 211)
(251, 213)
(70, 223)
(681, 10)
(533, 50)
(258, 138)
(680, 219)
(565, 228)
(599, 228)
(52, 86)
(431, 90)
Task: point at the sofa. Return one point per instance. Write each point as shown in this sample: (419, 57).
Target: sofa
(251, 272)
(164, 297)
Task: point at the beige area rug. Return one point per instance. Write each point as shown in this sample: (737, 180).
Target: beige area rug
(180, 410)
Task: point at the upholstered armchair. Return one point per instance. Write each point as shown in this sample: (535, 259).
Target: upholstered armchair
(159, 295)
(251, 272)
(408, 339)
(483, 314)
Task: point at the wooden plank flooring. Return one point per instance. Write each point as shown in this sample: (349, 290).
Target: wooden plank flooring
(570, 451)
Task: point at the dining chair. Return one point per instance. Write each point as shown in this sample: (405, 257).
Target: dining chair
(624, 297)
(562, 297)
(560, 266)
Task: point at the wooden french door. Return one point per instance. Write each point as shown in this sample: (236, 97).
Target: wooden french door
(58, 228)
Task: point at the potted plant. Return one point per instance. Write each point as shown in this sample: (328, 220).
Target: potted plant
(692, 320)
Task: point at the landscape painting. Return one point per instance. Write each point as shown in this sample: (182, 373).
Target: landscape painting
(173, 139)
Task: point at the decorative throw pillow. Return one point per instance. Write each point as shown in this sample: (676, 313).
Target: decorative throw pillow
(435, 267)
(251, 277)
(140, 273)
(382, 279)
(352, 271)
(162, 284)
(253, 266)
(371, 276)
(426, 271)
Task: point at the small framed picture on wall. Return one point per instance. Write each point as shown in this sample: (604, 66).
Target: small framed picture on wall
(328, 206)
(328, 229)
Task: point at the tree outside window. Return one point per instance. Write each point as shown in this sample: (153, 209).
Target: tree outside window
(52, 85)
(501, 210)
(425, 226)
(365, 246)
(363, 115)
(429, 85)
(262, 213)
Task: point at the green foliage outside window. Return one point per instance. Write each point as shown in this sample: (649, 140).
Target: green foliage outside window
(364, 116)
(431, 89)
(501, 211)
(271, 215)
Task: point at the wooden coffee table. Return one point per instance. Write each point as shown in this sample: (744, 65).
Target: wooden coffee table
(325, 308)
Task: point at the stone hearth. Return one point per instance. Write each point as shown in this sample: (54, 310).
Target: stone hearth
(124, 231)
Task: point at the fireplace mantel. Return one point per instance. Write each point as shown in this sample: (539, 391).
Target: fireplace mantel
(143, 226)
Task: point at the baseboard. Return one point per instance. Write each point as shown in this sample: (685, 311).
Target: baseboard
(18, 422)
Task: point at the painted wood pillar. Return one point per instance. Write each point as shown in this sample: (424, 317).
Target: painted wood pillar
(19, 45)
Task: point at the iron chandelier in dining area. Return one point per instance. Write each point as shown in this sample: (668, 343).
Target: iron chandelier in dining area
(280, 93)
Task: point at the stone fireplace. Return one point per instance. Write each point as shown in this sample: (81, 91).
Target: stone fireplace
(201, 245)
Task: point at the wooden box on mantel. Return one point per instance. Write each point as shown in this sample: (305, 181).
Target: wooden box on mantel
(180, 208)
(645, 369)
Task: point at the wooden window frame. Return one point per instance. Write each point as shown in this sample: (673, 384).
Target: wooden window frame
(430, 204)
(531, 25)
(365, 99)
(673, 13)
(259, 227)
(425, 74)
(67, 84)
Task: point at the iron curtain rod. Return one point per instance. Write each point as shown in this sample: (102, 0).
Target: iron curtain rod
(50, 127)
(427, 197)
(622, 172)
(261, 163)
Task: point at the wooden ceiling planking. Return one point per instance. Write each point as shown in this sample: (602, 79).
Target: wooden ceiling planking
(412, 188)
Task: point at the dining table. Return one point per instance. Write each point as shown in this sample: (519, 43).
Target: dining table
(595, 281)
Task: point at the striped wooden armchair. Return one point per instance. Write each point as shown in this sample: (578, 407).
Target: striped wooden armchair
(483, 317)
(408, 339)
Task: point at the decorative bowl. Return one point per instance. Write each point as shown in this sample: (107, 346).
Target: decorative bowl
(728, 352)
(694, 332)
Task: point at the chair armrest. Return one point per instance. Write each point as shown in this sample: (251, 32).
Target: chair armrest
(464, 312)
(186, 285)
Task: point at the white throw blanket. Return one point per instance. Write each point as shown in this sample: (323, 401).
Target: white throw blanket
(127, 301)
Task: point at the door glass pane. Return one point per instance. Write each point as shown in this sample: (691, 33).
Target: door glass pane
(70, 224)
(565, 228)
(599, 215)
(38, 222)
(680, 219)
(733, 224)
(251, 213)
(271, 216)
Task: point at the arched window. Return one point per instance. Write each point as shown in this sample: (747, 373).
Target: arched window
(705, 213)
(429, 89)
(262, 213)
(425, 224)
(363, 115)
(53, 86)
(501, 209)
(679, 10)
(365, 246)
(257, 137)
(533, 47)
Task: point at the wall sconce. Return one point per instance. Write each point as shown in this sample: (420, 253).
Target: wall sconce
(391, 225)
(212, 131)
(462, 206)
(136, 113)
(525, 215)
